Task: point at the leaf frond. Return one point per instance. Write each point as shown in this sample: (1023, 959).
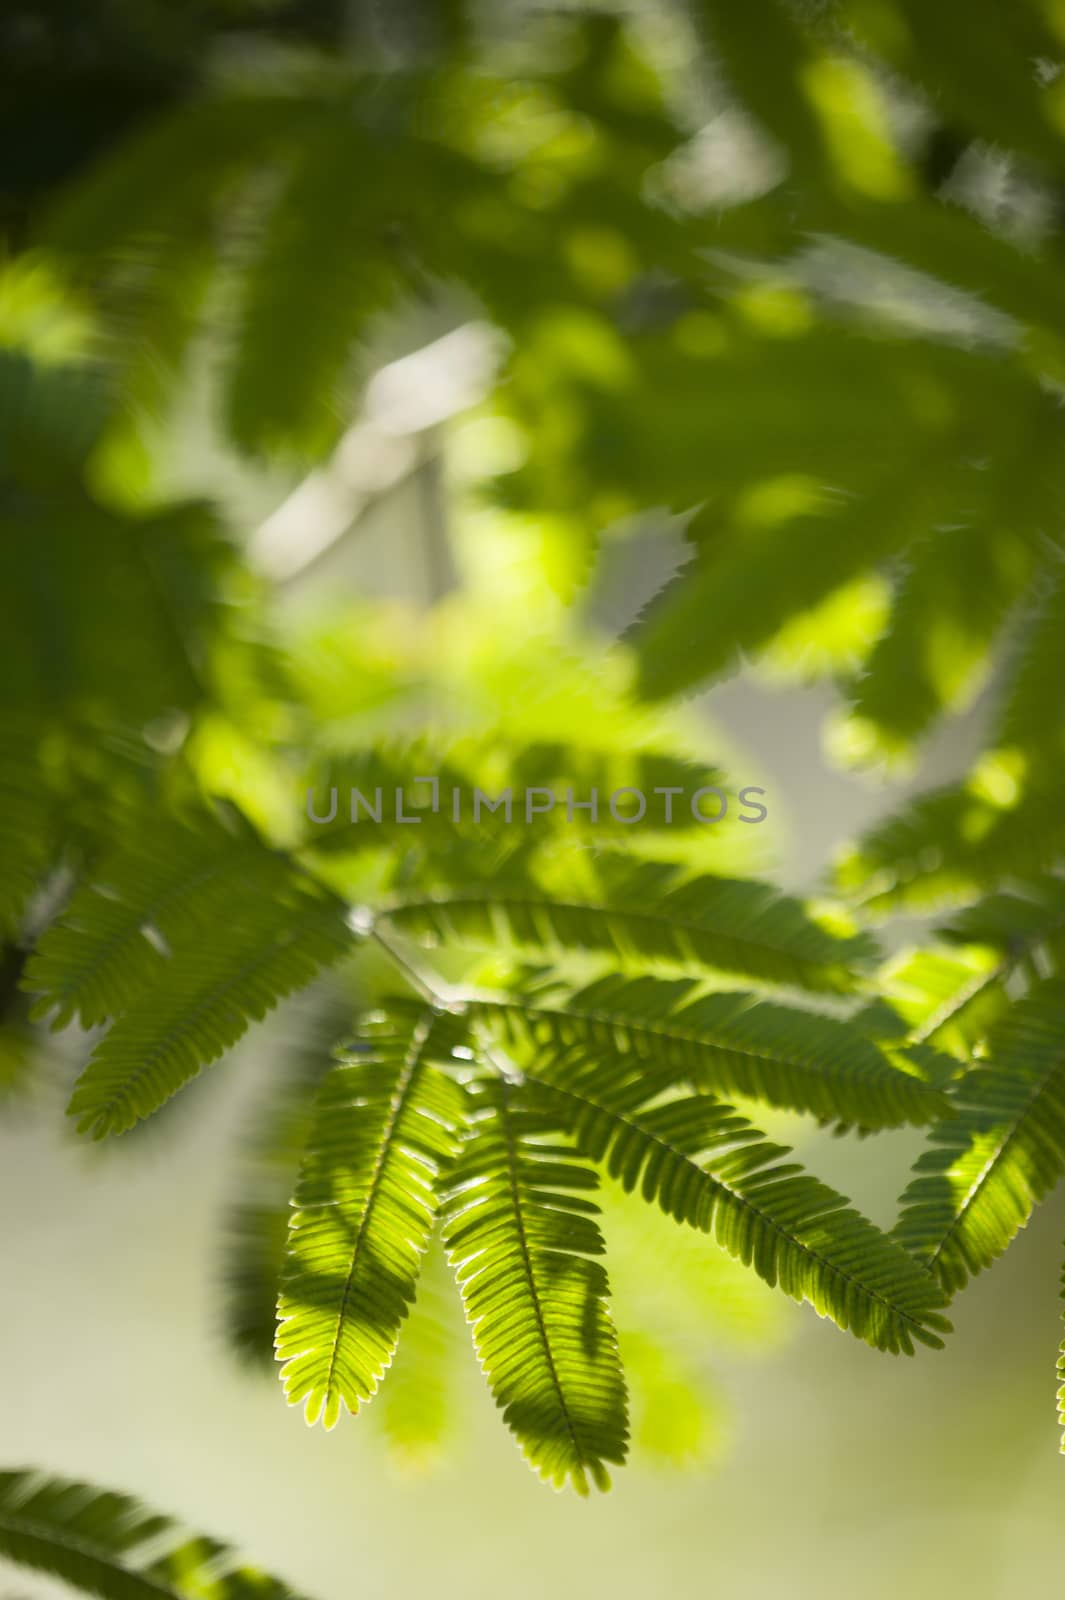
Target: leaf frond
(725, 1043)
(988, 1166)
(108, 1544)
(523, 1240)
(267, 948)
(384, 1134)
(645, 915)
(708, 1167)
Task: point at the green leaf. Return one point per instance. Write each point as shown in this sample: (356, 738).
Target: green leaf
(266, 948)
(524, 1241)
(708, 1167)
(950, 599)
(257, 1218)
(938, 997)
(1032, 711)
(384, 1134)
(953, 843)
(166, 891)
(66, 565)
(647, 915)
(110, 1545)
(727, 1043)
(740, 590)
(323, 266)
(418, 1407)
(160, 188)
(1004, 1149)
(29, 828)
(1012, 922)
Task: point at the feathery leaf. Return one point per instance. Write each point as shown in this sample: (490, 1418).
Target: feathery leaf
(524, 1241)
(167, 889)
(951, 597)
(1032, 712)
(266, 948)
(726, 1043)
(989, 1165)
(708, 1167)
(729, 924)
(108, 1544)
(951, 844)
(384, 1134)
(256, 1222)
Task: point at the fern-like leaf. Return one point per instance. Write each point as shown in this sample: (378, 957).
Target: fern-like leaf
(65, 564)
(523, 1240)
(708, 1167)
(989, 1165)
(108, 1544)
(418, 1407)
(166, 889)
(1015, 921)
(645, 915)
(939, 1001)
(950, 600)
(323, 267)
(727, 1043)
(267, 948)
(1032, 711)
(952, 844)
(385, 1131)
(256, 1222)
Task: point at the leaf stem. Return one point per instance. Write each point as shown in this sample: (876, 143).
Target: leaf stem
(441, 999)
(434, 996)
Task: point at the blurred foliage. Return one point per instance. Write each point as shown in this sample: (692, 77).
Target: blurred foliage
(785, 277)
(108, 1544)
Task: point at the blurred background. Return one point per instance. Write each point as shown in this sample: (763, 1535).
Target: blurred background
(458, 533)
(794, 1457)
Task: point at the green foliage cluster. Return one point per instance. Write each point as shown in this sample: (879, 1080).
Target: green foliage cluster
(847, 380)
(108, 1544)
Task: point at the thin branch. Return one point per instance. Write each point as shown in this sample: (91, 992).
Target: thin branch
(436, 997)
(444, 1000)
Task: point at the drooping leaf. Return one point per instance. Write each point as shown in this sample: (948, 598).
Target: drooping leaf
(708, 1167)
(418, 1407)
(256, 1222)
(296, 330)
(384, 1136)
(987, 1167)
(524, 1243)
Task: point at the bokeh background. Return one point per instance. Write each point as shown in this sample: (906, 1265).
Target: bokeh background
(938, 1475)
(793, 1461)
